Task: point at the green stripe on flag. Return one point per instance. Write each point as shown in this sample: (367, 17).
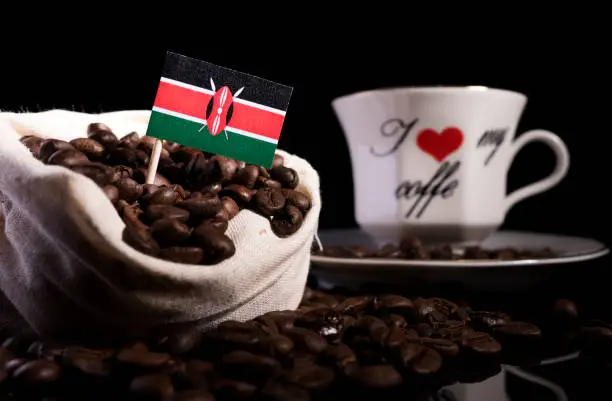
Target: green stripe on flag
(235, 146)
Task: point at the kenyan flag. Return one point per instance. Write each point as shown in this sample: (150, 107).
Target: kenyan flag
(218, 110)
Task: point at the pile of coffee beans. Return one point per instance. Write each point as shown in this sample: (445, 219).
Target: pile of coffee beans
(183, 216)
(330, 348)
(414, 249)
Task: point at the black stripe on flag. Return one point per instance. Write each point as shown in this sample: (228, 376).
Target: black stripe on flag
(198, 73)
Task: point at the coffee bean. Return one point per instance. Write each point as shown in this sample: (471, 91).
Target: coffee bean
(306, 340)
(269, 201)
(163, 196)
(123, 156)
(237, 362)
(94, 150)
(424, 330)
(142, 159)
(354, 305)
(326, 322)
(37, 372)
(142, 358)
(156, 212)
(139, 238)
(32, 143)
(216, 245)
(129, 190)
(169, 232)
(67, 158)
(111, 192)
(481, 343)
(275, 391)
(225, 168)
(215, 224)
(247, 176)
(190, 255)
(394, 337)
(412, 248)
(213, 188)
(130, 141)
(446, 348)
(193, 395)
(520, 329)
(427, 362)
(202, 207)
(442, 253)
(565, 310)
(394, 320)
(287, 221)
(288, 177)
(239, 193)
(50, 146)
(95, 127)
(484, 320)
(389, 251)
(119, 172)
(378, 376)
(444, 306)
(13, 364)
(297, 199)
(86, 361)
(234, 390)
(97, 172)
(340, 354)
(195, 375)
(105, 138)
(279, 345)
(152, 387)
(310, 377)
(394, 304)
(267, 182)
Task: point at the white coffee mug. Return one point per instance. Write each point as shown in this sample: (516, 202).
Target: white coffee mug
(432, 162)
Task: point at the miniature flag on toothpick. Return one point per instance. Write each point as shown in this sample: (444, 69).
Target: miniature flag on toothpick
(218, 110)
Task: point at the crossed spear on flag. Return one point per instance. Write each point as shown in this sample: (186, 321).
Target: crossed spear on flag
(223, 100)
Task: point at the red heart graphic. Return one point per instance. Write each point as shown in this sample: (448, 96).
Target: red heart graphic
(440, 145)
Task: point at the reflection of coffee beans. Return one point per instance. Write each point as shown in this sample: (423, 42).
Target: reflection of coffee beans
(413, 249)
(184, 215)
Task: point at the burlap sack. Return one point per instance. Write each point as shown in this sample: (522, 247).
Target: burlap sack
(64, 269)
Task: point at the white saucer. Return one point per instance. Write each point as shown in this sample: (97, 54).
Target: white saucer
(492, 274)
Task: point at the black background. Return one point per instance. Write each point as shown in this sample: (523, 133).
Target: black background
(567, 82)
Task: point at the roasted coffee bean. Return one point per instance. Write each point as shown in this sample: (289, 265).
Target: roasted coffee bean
(288, 177)
(275, 391)
(119, 172)
(442, 253)
(269, 201)
(354, 305)
(444, 306)
(394, 304)
(50, 146)
(191, 255)
(394, 320)
(202, 207)
(326, 322)
(152, 387)
(86, 361)
(377, 376)
(389, 251)
(32, 143)
(193, 395)
(297, 199)
(394, 337)
(213, 188)
(156, 212)
(424, 330)
(142, 159)
(225, 168)
(480, 343)
(169, 232)
(565, 310)
(267, 182)
(105, 138)
(215, 224)
(427, 362)
(45, 350)
(13, 364)
(449, 328)
(412, 248)
(5, 356)
(287, 221)
(239, 193)
(310, 377)
(517, 329)
(97, 172)
(195, 375)
(147, 144)
(37, 372)
(67, 158)
(123, 156)
(94, 150)
(142, 358)
(163, 196)
(254, 365)
(111, 192)
(95, 127)
(423, 307)
(445, 347)
(306, 340)
(233, 390)
(139, 237)
(216, 245)
(484, 320)
(474, 252)
(247, 176)
(278, 344)
(129, 190)
(130, 141)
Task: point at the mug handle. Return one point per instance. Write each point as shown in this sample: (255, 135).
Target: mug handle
(561, 166)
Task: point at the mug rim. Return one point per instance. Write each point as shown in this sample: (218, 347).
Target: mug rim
(432, 89)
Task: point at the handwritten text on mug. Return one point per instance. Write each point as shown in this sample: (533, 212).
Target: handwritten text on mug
(441, 184)
(394, 128)
(492, 138)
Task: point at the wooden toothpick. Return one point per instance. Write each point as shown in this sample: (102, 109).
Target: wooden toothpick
(154, 161)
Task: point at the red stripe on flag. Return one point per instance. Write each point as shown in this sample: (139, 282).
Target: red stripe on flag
(193, 103)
